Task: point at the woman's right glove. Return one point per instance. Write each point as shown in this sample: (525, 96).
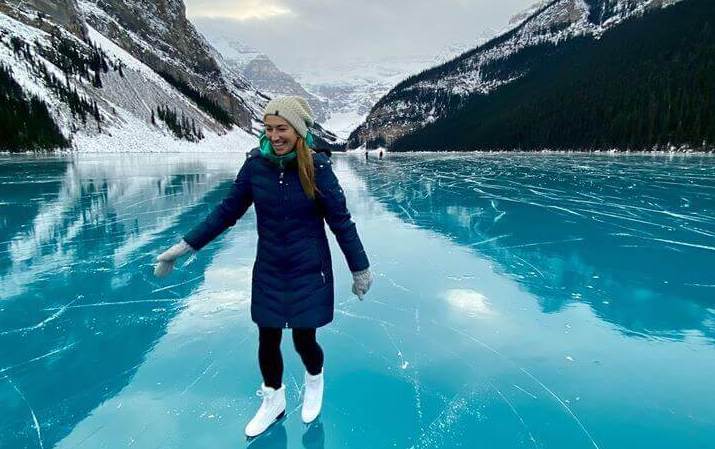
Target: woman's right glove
(165, 261)
(362, 280)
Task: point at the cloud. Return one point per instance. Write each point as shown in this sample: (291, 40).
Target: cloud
(245, 10)
(471, 302)
(300, 34)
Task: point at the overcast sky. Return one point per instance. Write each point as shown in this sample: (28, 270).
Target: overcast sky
(294, 33)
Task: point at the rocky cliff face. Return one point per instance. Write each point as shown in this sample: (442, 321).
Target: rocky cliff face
(160, 36)
(64, 13)
(268, 78)
(259, 69)
(122, 68)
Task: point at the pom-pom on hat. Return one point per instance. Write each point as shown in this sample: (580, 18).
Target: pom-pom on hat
(295, 110)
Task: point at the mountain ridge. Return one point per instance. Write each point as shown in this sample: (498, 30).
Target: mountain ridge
(123, 76)
(424, 98)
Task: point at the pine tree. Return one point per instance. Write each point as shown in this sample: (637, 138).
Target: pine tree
(25, 123)
(97, 80)
(624, 90)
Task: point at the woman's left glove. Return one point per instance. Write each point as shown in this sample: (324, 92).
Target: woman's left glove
(362, 280)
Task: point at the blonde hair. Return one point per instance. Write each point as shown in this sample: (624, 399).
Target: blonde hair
(306, 170)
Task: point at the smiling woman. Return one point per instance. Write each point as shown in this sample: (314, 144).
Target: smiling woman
(242, 10)
(281, 135)
(295, 192)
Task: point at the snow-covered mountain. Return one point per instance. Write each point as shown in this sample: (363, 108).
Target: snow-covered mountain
(424, 98)
(125, 75)
(160, 36)
(341, 95)
(350, 90)
(258, 68)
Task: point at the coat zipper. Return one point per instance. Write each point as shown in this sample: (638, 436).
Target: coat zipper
(280, 181)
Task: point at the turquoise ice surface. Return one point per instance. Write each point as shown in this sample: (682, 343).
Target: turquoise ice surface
(520, 301)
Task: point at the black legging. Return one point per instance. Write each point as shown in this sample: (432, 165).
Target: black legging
(269, 353)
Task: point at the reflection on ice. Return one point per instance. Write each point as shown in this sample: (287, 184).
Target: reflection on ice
(471, 302)
(591, 228)
(77, 297)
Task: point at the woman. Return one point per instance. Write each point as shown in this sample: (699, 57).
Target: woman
(295, 192)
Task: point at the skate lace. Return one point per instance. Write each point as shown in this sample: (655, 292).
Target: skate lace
(264, 394)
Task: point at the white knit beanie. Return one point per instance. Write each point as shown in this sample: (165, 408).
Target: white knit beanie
(293, 109)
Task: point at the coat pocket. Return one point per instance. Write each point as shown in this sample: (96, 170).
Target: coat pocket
(326, 271)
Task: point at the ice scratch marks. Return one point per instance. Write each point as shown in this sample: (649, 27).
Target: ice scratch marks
(295, 409)
(564, 405)
(42, 323)
(90, 435)
(409, 216)
(531, 265)
(386, 305)
(298, 388)
(532, 377)
(621, 217)
(553, 242)
(474, 339)
(442, 425)
(697, 231)
(516, 413)
(482, 242)
(118, 303)
(44, 356)
(358, 342)
(396, 285)
(191, 385)
(415, 378)
(211, 365)
(500, 213)
(132, 260)
(418, 327)
(364, 317)
(403, 363)
(168, 287)
(675, 242)
(564, 209)
(525, 392)
(36, 423)
(692, 218)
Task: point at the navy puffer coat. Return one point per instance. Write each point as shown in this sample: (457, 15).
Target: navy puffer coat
(292, 276)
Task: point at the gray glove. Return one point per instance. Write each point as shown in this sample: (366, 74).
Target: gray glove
(362, 280)
(165, 261)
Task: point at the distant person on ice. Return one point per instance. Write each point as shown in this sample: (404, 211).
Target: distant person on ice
(295, 192)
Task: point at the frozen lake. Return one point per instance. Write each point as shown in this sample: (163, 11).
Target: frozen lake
(520, 301)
